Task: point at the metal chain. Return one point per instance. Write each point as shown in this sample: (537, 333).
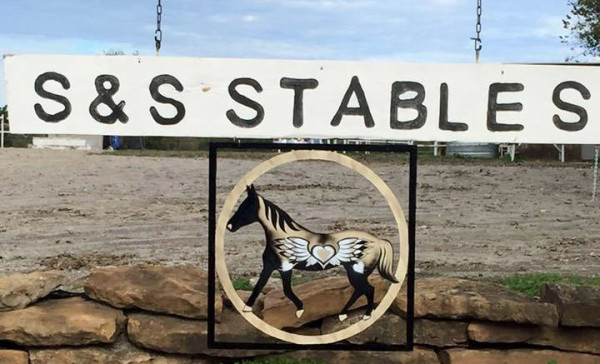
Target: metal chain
(158, 31)
(595, 185)
(477, 39)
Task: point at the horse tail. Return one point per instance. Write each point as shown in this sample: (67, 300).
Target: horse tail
(385, 261)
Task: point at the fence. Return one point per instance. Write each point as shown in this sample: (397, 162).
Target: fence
(2, 131)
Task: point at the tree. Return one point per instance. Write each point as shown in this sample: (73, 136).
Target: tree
(118, 52)
(583, 25)
(4, 113)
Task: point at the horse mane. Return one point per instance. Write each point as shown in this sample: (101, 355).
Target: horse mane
(279, 217)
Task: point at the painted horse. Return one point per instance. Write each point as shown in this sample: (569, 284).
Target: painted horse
(291, 246)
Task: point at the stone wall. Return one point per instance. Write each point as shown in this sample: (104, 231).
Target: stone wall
(153, 314)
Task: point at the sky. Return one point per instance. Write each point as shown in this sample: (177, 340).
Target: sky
(432, 31)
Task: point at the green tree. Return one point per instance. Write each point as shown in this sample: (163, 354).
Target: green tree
(4, 112)
(118, 52)
(583, 26)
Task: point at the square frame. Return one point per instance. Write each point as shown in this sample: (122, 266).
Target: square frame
(284, 147)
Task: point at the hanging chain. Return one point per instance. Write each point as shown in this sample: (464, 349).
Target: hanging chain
(595, 185)
(158, 31)
(477, 39)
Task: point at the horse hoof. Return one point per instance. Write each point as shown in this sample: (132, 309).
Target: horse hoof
(299, 313)
(247, 309)
(366, 317)
(342, 317)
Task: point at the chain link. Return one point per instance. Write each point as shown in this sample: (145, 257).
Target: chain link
(477, 40)
(158, 31)
(595, 185)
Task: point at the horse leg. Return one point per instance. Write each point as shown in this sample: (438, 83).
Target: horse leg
(270, 263)
(262, 280)
(370, 293)
(355, 295)
(286, 279)
(353, 277)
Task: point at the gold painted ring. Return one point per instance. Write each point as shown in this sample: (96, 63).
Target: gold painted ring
(301, 155)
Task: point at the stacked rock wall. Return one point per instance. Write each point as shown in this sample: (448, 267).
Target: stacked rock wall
(153, 314)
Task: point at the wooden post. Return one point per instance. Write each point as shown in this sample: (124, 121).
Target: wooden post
(2, 131)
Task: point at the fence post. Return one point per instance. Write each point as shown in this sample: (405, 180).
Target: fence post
(2, 131)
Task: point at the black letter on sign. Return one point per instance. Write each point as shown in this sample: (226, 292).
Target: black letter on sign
(494, 106)
(39, 89)
(154, 85)
(298, 85)
(398, 88)
(260, 112)
(444, 123)
(362, 109)
(105, 97)
(583, 116)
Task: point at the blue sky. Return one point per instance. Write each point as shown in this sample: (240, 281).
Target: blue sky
(390, 30)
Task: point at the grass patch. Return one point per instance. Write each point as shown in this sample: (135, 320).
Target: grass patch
(297, 278)
(242, 284)
(279, 361)
(530, 283)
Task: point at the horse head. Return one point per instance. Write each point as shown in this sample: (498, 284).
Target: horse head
(247, 213)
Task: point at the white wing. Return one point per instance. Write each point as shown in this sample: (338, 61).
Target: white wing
(295, 250)
(349, 250)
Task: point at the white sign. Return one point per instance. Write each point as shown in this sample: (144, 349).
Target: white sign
(243, 98)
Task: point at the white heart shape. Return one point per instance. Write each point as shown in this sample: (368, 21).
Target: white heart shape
(323, 253)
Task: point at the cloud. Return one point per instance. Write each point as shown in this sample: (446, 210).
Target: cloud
(549, 26)
(544, 27)
(323, 4)
(250, 18)
(39, 44)
(233, 18)
(443, 2)
(429, 56)
(246, 47)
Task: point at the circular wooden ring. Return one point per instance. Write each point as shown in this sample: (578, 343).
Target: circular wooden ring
(302, 155)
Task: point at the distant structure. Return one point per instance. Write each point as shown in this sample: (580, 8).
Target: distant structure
(63, 141)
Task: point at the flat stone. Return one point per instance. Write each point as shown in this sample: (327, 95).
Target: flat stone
(466, 356)
(20, 290)
(234, 328)
(72, 321)
(575, 303)
(451, 298)
(121, 352)
(441, 333)
(74, 283)
(180, 291)
(585, 340)
(167, 334)
(417, 356)
(14, 357)
(391, 329)
(321, 298)
(174, 335)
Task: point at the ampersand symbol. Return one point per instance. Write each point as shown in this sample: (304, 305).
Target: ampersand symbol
(105, 97)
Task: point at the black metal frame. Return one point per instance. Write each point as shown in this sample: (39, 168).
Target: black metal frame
(410, 275)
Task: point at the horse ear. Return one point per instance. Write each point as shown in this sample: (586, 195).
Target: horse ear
(252, 189)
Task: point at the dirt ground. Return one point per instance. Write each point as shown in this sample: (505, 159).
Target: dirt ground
(72, 210)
